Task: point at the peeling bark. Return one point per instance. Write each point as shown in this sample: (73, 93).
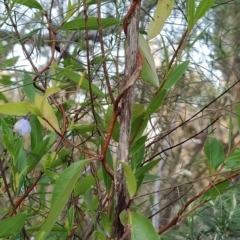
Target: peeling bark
(131, 63)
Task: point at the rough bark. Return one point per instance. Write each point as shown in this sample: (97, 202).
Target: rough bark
(131, 64)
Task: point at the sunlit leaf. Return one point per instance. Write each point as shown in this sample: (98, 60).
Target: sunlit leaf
(47, 114)
(52, 90)
(162, 12)
(19, 109)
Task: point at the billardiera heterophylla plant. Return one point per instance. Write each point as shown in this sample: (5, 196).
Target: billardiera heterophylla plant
(22, 126)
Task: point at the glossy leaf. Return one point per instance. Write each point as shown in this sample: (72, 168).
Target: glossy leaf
(161, 13)
(13, 225)
(148, 73)
(92, 23)
(29, 3)
(202, 8)
(19, 109)
(130, 179)
(156, 103)
(61, 193)
(176, 75)
(214, 152)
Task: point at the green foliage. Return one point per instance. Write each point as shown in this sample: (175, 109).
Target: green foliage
(61, 180)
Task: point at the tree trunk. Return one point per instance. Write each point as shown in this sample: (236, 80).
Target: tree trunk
(131, 64)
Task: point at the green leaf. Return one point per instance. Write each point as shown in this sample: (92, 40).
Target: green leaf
(82, 128)
(146, 168)
(52, 90)
(70, 10)
(215, 191)
(47, 113)
(130, 179)
(86, 183)
(3, 97)
(175, 75)
(19, 109)
(238, 116)
(202, 8)
(156, 103)
(28, 88)
(106, 222)
(61, 194)
(214, 152)
(5, 80)
(107, 179)
(233, 160)
(29, 3)
(13, 225)
(37, 153)
(141, 227)
(161, 13)
(137, 145)
(11, 61)
(191, 13)
(85, 83)
(148, 73)
(36, 133)
(92, 23)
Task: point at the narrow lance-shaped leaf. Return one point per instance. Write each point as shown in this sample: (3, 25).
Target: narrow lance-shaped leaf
(12, 225)
(191, 12)
(162, 12)
(19, 109)
(202, 8)
(61, 193)
(29, 3)
(176, 75)
(156, 103)
(92, 23)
